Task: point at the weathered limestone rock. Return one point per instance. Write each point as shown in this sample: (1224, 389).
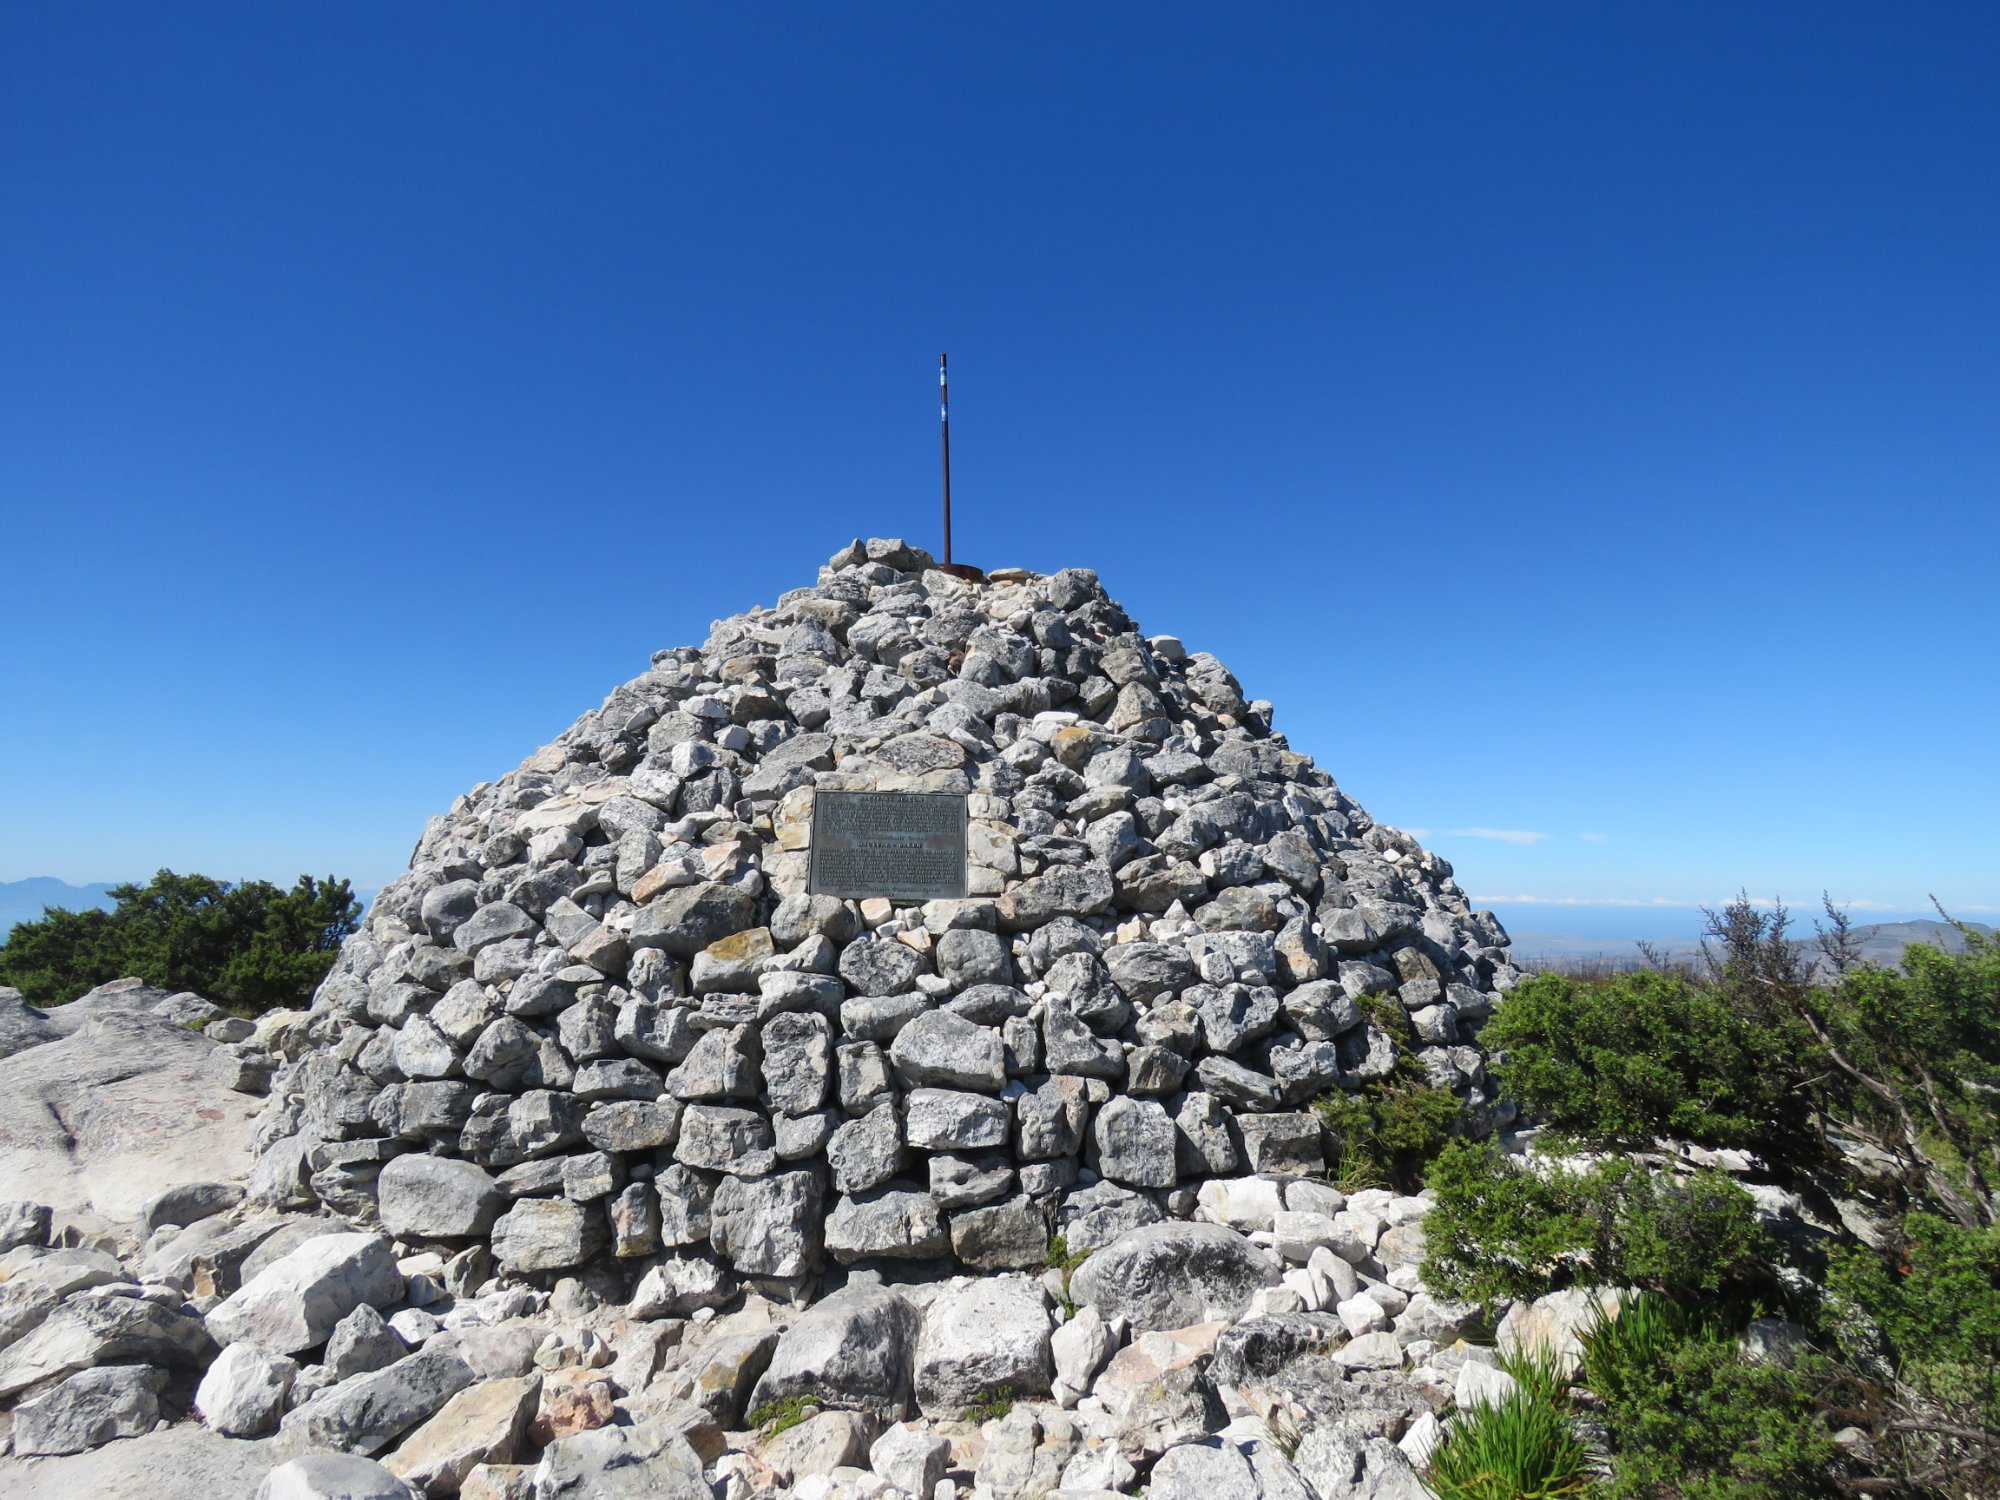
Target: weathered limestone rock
(1158, 1392)
(1282, 1144)
(729, 1371)
(685, 921)
(539, 1234)
(292, 1305)
(649, 1461)
(243, 1394)
(86, 1331)
(767, 1226)
(189, 1202)
(674, 1286)
(980, 1338)
(369, 1412)
(1172, 1275)
(360, 1342)
(1026, 1452)
(1080, 1347)
(867, 1152)
(436, 1197)
(951, 1120)
(856, 1348)
(897, 1223)
(89, 1409)
(911, 1458)
(1204, 1471)
(943, 1050)
(818, 1446)
(1135, 1143)
(332, 1476)
(480, 1424)
(1009, 1236)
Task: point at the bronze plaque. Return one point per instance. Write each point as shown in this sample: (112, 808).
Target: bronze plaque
(907, 846)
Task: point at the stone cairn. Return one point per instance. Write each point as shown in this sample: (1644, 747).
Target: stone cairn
(611, 1164)
(599, 1028)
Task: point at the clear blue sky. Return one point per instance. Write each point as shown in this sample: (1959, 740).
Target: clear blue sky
(1583, 421)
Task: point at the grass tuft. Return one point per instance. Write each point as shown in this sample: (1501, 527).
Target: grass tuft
(991, 1405)
(1522, 1448)
(774, 1417)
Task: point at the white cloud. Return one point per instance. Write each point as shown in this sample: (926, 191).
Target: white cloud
(1813, 906)
(1592, 838)
(1803, 910)
(1584, 901)
(1502, 835)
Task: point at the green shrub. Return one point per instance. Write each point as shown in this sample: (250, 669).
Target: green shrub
(1636, 1337)
(1906, 1061)
(1691, 1236)
(1688, 1416)
(1388, 1133)
(1756, 1051)
(1498, 1230)
(1503, 1231)
(1917, 1067)
(1522, 1448)
(248, 947)
(1937, 1309)
(1622, 1060)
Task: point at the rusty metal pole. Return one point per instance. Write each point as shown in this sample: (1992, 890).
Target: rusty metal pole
(944, 434)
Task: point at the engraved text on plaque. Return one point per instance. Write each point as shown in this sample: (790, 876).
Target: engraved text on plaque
(907, 846)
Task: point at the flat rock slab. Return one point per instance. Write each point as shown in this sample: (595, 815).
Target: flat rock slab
(100, 1122)
(184, 1462)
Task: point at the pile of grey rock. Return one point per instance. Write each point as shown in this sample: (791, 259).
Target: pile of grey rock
(600, 1023)
(610, 1162)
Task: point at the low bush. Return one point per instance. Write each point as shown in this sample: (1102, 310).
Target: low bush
(1504, 1231)
(1498, 1230)
(1688, 1416)
(1935, 1304)
(1620, 1061)
(1386, 1134)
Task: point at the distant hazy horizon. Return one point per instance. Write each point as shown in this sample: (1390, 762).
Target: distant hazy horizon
(1571, 929)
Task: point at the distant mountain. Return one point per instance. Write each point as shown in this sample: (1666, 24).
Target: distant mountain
(1879, 943)
(26, 900)
(1883, 942)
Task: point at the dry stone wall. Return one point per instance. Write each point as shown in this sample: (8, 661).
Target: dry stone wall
(600, 1028)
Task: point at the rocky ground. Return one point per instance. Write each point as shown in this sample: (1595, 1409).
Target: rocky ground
(608, 1162)
(1279, 1343)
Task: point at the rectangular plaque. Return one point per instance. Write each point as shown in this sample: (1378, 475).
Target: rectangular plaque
(907, 846)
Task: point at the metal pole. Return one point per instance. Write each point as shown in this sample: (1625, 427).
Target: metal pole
(944, 434)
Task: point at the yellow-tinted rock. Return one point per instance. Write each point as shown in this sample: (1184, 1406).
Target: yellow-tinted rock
(742, 947)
